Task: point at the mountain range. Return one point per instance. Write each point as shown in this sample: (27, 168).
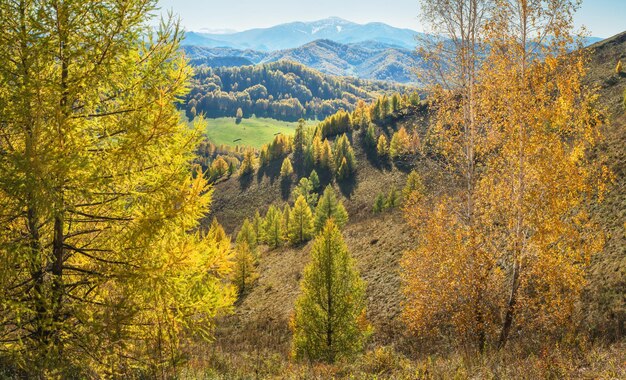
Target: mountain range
(295, 34)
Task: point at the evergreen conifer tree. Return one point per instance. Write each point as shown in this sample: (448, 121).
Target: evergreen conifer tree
(301, 223)
(382, 148)
(315, 180)
(299, 142)
(330, 207)
(413, 186)
(326, 156)
(329, 321)
(286, 170)
(272, 227)
(392, 199)
(244, 271)
(247, 234)
(305, 189)
(345, 162)
(257, 225)
(369, 137)
(379, 203)
(248, 163)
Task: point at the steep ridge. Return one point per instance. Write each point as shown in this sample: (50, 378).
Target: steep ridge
(367, 60)
(606, 294)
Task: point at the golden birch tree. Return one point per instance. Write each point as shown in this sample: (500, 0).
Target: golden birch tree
(535, 187)
(457, 136)
(515, 260)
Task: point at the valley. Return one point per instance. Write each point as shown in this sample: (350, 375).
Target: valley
(251, 132)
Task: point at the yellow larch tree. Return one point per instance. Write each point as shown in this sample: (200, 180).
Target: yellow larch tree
(244, 273)
(301, 222)
(286, 169)
(104, 270)
(329, 319)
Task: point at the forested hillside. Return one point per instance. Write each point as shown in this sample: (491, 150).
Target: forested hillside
(281, 90)
(364, 60)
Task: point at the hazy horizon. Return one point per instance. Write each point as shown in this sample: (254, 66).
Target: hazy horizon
(602, 18)
(230, 30)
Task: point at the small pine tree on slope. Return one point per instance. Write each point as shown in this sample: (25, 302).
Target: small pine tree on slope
(329, 321)
(330, 207)
(301, 223)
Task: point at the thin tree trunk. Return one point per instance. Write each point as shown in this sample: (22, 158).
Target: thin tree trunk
(57, 268)
(59, 233)
(510, 308)
(521, 190)
(35, 260)
(329, 324)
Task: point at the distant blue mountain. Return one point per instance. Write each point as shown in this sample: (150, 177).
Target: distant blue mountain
(295, 34)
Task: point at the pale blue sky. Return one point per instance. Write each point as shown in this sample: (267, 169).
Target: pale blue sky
(603, 18)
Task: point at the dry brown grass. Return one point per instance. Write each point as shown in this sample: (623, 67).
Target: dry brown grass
(587, 362)
(605, 297)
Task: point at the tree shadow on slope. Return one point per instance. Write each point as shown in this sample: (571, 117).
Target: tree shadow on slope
(405, 163)
(271, 170)
(382, 163)
(372, 156)
(325, 176)
(285, 187)
(245, 180)
(371, 152)
(347, 186)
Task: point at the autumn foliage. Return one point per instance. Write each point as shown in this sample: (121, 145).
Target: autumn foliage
(508, 252)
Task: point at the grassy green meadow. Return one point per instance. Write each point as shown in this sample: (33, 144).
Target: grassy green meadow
(253, 132)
